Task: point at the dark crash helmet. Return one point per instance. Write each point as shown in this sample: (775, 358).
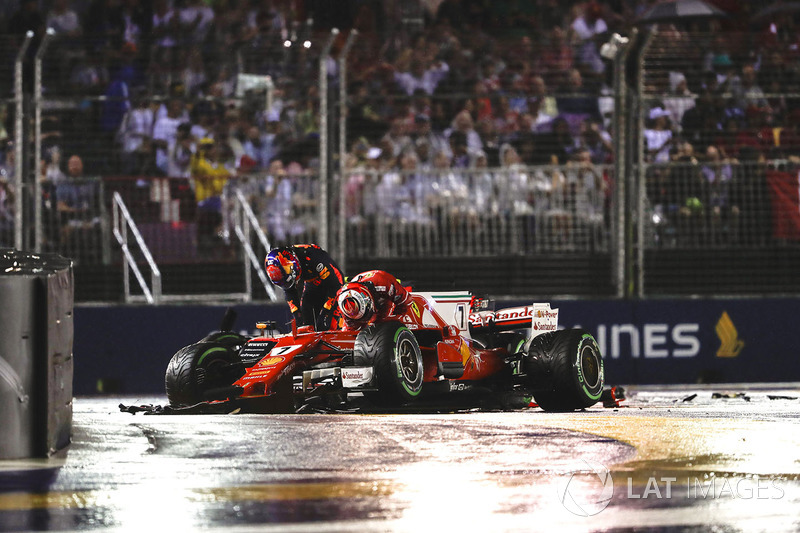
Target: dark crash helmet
(283, 267)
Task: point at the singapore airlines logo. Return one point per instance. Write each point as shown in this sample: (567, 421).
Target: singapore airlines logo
(730, 344)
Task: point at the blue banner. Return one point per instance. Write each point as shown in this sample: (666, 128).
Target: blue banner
(125, 349)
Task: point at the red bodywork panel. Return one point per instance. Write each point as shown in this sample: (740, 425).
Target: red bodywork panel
(304, 348)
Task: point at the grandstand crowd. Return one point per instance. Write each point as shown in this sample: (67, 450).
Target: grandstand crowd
(433, 85)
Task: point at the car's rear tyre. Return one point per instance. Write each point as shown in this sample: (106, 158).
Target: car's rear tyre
(199, 368)
(392, 350)
(564, 370)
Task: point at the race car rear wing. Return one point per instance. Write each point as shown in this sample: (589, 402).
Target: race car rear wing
(538, 317)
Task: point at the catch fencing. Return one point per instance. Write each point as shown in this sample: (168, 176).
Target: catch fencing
(697, 195)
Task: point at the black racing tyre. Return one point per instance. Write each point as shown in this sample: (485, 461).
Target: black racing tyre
(392, 350)
(229, 339)
(564, 370)
(514, 342)
(198, 368)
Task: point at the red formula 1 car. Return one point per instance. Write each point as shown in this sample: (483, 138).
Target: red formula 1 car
(447, 350)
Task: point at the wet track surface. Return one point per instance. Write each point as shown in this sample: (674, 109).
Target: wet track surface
(670, 459)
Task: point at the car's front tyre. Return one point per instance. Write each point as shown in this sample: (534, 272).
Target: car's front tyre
(392, 350)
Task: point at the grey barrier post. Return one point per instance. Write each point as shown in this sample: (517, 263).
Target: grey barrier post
(37, 102)
(19, 136)
(324, 178)
(342, 227)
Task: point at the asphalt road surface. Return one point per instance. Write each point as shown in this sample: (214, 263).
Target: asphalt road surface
(715, 458)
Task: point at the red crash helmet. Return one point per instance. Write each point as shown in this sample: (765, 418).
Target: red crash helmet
(355, 302)
(283, 268)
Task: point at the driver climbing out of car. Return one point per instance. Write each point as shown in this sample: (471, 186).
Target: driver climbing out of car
(310, 280)
(370, 297)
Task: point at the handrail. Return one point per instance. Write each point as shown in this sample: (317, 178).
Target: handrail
(242, 226)
(121, 234)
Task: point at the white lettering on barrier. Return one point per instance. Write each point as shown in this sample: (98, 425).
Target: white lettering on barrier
(655, 335)
(651, 341)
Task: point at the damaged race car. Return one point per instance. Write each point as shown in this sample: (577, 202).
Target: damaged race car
(445, 350)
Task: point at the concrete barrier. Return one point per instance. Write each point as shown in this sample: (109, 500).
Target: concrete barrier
(36, 370)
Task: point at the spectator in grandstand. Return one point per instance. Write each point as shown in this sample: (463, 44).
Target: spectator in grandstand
(177, 91)
(51, 169)
(417, 190)
(733, 137)
(77, 201)
(700, 123)
(554, 147)
(723, 214)
(658, 136)
(204, 116)
(596, 141)
(449, 187)
(584, 199)
(482, 186)
(137, 23)
(89, 75)
(363, 116)
(426, 136)
(135, 136)
(259, 147)
(421, 75)
(680, 98)
(210, 176)
(193, 73)
(397, 138)
(515, 191)
(464, 124)
(165, 133)
(182, 152)
(556, 58)
(746, 91)
(195, 19)
(166, 31)
(504, 117)
(490, 141)
(687, 192)
(575, 101)
(749, 191)
(281, 227)
(64, 20)
(545, 103)
(458, 146)
(586, 27)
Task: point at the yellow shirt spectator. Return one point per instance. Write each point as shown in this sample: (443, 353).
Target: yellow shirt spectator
(209, 174)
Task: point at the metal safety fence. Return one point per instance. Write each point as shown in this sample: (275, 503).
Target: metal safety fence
(424, 146)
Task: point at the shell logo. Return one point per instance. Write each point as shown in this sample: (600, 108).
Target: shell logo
(271, 361)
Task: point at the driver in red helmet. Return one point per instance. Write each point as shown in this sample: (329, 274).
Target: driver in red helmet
(310, 279)
(370, 297)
